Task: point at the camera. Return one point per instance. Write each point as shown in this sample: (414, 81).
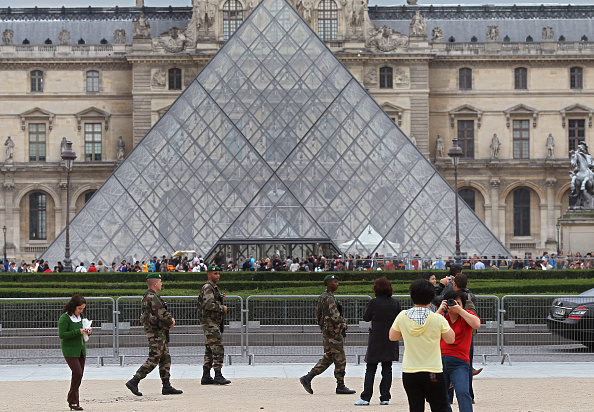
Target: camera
(452, 302)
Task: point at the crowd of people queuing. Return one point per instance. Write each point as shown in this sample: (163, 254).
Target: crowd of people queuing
(197, 263)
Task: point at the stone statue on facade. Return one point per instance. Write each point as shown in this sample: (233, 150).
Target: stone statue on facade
(413, 139)
(439, 147)
(437, 34)
(63, 145)
(119, 36)
(174, 40)
(252, 4)
(121, 149)
(141, 26)
(206, 13)
(385, 39)
(159, 79)
(418, 25)
(548, 33)
(493, 33)
(411, 2)
(550, 146)
(7, 36)
(495, 146)
(582, 178)
(304, 7)
(9, 144)
(358, 14)
(64, 37)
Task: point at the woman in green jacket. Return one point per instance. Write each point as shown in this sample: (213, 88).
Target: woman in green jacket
(72, 341)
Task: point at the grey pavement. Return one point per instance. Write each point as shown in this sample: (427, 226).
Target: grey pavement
(11, 373)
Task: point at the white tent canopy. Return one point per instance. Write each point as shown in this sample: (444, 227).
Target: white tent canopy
(368, 241)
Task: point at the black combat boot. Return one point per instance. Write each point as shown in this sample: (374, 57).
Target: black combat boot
(132, 384)
(341, 389)
(219, 379)
(206, 378)
(306, 381)
(168, 389)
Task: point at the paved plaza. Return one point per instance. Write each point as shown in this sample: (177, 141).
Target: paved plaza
(523, 386)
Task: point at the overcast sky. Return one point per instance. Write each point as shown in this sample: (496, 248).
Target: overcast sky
(124, 3)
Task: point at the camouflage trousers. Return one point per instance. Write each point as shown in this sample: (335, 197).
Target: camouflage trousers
(333, 353)
(158, 355)
(215, 352)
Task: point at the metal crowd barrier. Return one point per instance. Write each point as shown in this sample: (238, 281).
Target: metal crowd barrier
(29, 327)
(285, 325)
(524, 329)
(186, 338)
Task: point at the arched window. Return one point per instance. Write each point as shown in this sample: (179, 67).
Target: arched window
(89, 195)
(465, 77)
(506, 39)
(232, 17)
(36, 81)
(473, 39)
(521, 78)
(92, 81)
(468, 196)
(576, 78)
(328, 20)
(175, 79)
(81, 41)
(452, 39)
(48, 41)
(521, 212)
(529, 39)
(386, 77)
(37, 216)
(562, 38)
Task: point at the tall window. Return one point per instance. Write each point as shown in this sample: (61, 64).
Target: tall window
(92, 81)
(36, 81)
(232, 17)
(465, 77)
(386, 77)
(328, 20)
(576, 78)
(175, 79)
(37, 142)
(468, 196)
(37, 217)
(89, 195)
(576, 131)
(521, 139)
(466, 138)
(521, 78)
(521, 212)
(92, 142)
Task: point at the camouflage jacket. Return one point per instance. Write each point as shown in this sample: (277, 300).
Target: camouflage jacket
(210, 304)
(155, 318)
(328, 316)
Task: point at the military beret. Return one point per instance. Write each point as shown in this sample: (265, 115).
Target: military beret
(330, 277)
(213, 268)
(153, 276)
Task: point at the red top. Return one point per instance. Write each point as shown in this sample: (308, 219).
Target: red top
(47, 271)
(461, 347)
(92, 269)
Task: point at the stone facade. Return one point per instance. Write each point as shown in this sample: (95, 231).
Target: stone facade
(142, 71)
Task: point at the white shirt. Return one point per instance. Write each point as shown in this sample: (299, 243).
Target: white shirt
(75, 319)
(479, 265)
(80, 269)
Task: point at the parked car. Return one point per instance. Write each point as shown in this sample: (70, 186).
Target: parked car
(573, 318)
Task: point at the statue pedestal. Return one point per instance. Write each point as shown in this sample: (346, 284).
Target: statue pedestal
(577, 227)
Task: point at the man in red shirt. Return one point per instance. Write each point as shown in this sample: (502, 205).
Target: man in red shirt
(92, 268)
(456, 356)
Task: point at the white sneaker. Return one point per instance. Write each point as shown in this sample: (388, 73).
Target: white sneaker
(361, 402)
(384, 402)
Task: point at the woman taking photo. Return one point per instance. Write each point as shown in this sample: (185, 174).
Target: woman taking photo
(72, 341)
(381, 311)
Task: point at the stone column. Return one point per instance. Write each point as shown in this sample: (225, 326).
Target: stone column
(13, 230)
(495, 183)
(551, 235)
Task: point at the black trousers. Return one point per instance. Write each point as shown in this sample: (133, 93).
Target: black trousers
(425, 385)
(385, 383)
(77, 366)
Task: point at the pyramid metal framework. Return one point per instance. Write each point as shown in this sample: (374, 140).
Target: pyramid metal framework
(274, 141)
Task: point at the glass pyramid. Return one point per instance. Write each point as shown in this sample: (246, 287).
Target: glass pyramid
(274, 141)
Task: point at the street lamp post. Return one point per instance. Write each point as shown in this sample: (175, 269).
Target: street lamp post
(455, 153)
(4, 230)
(558, 235)
(68, 156)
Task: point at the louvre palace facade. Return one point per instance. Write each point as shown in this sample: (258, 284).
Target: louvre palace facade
(513, 83)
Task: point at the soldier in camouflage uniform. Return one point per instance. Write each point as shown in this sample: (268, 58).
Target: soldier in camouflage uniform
(211, 312)
(334, 326)
(157, 322)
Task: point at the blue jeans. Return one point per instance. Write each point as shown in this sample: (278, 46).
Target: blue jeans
(456, 370)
